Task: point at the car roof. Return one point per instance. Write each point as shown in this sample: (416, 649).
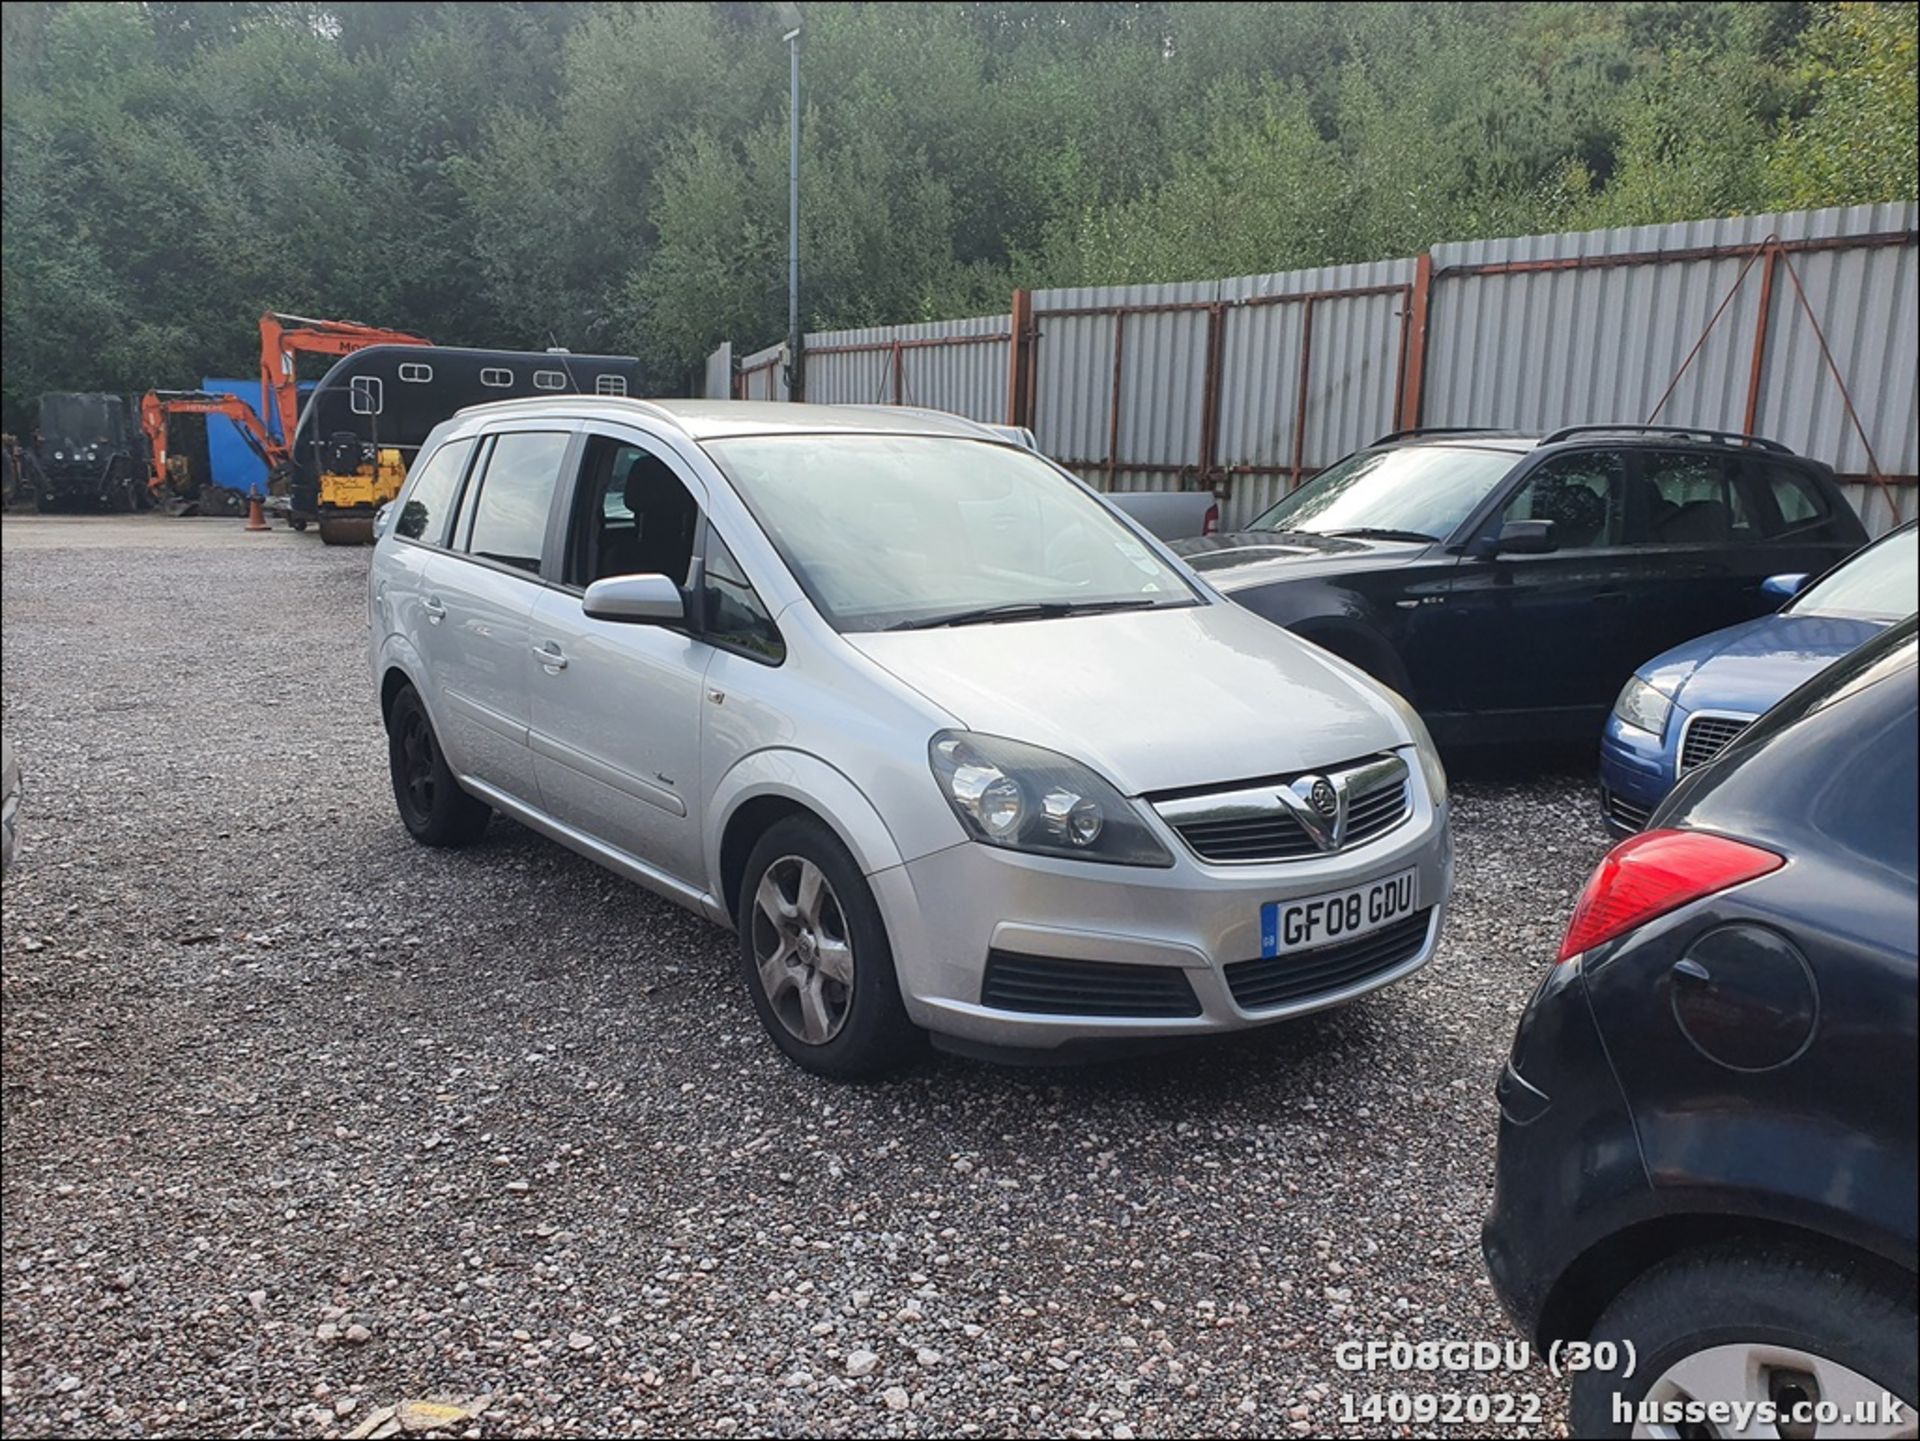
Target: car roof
(701, 420)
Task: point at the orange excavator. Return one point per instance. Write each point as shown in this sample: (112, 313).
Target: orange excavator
(169, 480)
(283, 337)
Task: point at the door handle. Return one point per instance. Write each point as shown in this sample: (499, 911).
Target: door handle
(548, 654)
(435, 608)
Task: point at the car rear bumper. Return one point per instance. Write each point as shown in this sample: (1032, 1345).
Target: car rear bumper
(1567, 1165)
(982, 935)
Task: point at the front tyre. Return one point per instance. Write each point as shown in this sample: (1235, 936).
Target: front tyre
(815, 956)
(1753, 1324)
(432, 806)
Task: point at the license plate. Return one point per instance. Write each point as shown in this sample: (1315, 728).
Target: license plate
(1336, 916)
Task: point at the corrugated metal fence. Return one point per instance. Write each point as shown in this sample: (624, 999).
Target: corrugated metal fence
(1249, 385)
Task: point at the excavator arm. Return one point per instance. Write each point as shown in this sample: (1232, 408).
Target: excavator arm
(156, 406)
(282, 337)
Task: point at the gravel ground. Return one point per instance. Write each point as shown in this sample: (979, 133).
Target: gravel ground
(303, 1121)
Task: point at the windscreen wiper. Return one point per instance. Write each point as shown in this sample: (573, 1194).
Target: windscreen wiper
(1369, 532)
(1021, 610)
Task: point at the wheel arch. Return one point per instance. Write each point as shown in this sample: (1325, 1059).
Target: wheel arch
(770, 785)
(1357, 642)
(1599, 1274)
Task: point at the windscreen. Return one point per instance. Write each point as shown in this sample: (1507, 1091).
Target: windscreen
(1879, 583)
(1424, 491)
(78, 419)
(886, 531)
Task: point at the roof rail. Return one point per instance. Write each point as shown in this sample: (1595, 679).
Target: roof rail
(1412, 431)
(567, 397)
(1718, 437)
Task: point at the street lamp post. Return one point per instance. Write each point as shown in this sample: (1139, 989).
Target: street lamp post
(796, 379)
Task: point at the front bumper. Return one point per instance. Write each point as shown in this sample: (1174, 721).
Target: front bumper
(947, 911)
(1636, 772)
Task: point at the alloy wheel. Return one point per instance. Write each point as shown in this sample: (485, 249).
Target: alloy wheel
(1782, 1376)
(802, 950)
(417, 757)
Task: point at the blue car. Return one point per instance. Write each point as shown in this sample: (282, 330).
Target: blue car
(1683, 707)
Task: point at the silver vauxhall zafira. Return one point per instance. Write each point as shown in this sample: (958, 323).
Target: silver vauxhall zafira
(952, 746)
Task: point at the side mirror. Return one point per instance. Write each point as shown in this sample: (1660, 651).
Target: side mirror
(381, 519)
(1783, 587)
(636, 600)
(1526, 537)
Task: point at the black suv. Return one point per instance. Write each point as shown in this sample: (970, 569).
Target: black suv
(1508, 584)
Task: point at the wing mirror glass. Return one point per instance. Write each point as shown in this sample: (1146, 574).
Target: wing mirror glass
(1783, 587)
(636, 600)
(1526, 537)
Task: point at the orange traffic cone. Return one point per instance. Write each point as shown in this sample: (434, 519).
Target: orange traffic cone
(256, 515)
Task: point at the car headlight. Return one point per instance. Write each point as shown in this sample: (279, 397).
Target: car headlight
(1022, 798)
(59, 455)
(92, 454)
(1423, 746)
(1643, 707)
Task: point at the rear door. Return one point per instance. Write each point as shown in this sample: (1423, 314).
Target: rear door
(478, 598)
(1698, 533)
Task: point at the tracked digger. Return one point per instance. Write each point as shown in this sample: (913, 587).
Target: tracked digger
(170, 481)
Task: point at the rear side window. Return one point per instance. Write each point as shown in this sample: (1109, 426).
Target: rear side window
(509, 520)
(424, 513)
(1795, 496)
(1691, 498)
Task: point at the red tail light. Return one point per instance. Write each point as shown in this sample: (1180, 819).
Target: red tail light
(1656, 872)
(1211, 525)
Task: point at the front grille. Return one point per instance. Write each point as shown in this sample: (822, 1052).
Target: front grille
(1251, 823)
(1706, 736)
(1625, 812)
(1046, 985)
(1283, 980)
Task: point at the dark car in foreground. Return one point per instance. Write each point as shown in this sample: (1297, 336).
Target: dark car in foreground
(1508, 584)
(1683, 707)
(1707, 1123)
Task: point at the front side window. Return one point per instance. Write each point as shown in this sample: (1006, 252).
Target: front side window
(902, 531)
(633, 516)
(1691, 499)
(509, 520)
(733, 614)
(1418, 492)
(423, 514)
(1583, 495)
(1877, 584)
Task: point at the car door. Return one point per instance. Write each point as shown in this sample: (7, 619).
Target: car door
(1535, 639)
(1696, 540)
(616, 707)
(478, 597)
